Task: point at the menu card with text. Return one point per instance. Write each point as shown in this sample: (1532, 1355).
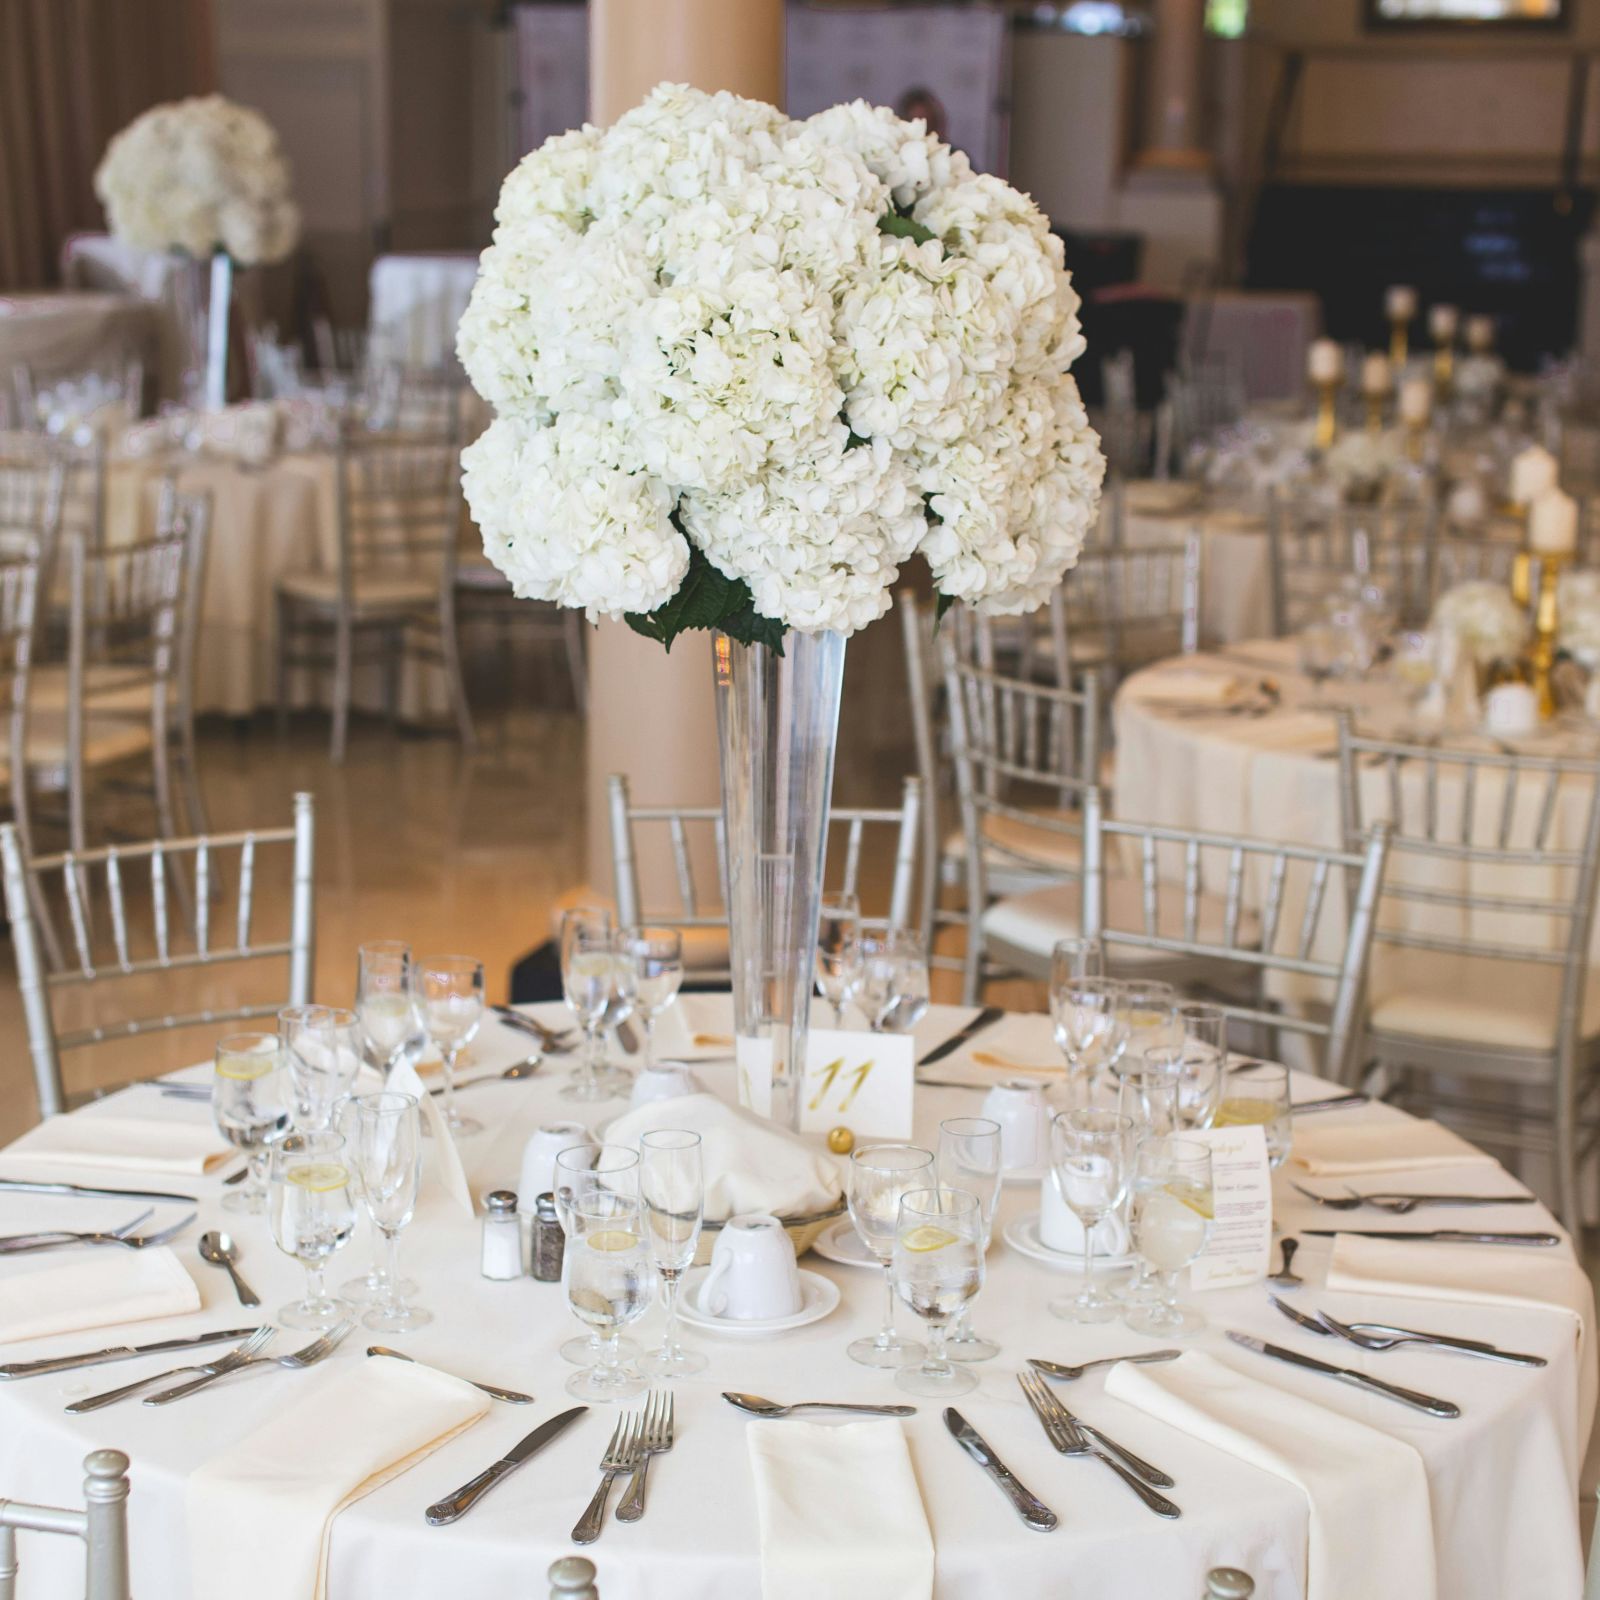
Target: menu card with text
(1238, 1248)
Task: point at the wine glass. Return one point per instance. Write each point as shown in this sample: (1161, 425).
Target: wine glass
(324, 1060)
(970, 1159)
(249, 1107)
(582, 1171)
(650, 972)
(448, 992)
(1150, 1010)
(1072, 960)
(937, 1268)
(1090, 1027)
(386, 1157)
(588, 982)
(672, 1187)
(610, 1283)
(1172, 1212)
(1196, 1070)
(879, 1175)
(1147, 1091)
(1204, 1024)
(1258, 1092)
(312, 1217)
(838, 951)
(893, 988)
(1089, 1158)
(385, 1004)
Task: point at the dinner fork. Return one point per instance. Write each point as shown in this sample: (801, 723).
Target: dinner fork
(1380, 1336)
(657, 1431)
(622, 1455)
(22, 1244)
(318, 1350)
(240, 1353)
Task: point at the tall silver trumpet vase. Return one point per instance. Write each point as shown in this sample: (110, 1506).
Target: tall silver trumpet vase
(777, 725)
(203, 291)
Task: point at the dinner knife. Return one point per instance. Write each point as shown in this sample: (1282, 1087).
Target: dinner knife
(118, 1352)
(24, 1186)
(1334, 1102)
(1033, 1511)
(1440, 1235)
(1407, 1397)
(984, 1019)
(457, 1505)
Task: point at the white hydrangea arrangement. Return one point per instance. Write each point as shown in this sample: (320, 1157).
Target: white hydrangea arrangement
(1578, 617)
(1482, 619)
(200, 175)
(743, 367)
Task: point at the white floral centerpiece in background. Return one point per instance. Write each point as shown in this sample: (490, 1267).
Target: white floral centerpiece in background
(1482, 621)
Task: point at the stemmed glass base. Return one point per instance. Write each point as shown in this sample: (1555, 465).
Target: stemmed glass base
(462, 1127)
(396, 1317)
(674, 1363)
(1162, 1321)
(1090, 1304)
(316, 1314)
(363, 1291)
(584, 1351)
(609, 1083)
(886, 1351)
(247, 1198)
(600, 1385)
(935, 1381)
(971, 1347)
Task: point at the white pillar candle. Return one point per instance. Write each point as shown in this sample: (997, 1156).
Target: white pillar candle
(1400, 302)
(1480, 334)
(1442, 322)
(1534, 472)
(1416, 400)
(1553, 524)
(1324, 361)
(1377, 376)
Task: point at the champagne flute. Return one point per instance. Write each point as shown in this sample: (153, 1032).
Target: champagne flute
(1258, 1092)
(879, 1175)
(1091, 1028)
(386, 1152)
(448, 991)
(249, 1107)
(970, 1159)
(582, 1171)
(588, 979)
(672, 1187)
(313, 1216)
(385, 1004)
(610, 1283)
(650, 971)
(1172, 1213)
(838, 951)
(937, 1268)
(1089, 1158)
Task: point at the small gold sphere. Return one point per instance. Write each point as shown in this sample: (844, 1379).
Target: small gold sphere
(841, 1141)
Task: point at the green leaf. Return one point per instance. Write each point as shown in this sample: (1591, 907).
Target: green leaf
(708, 599)
(898, 227)
(941, 604)
(748, 626)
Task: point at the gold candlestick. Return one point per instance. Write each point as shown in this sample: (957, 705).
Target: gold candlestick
(1415, 433)
(1397, 344)
(1375, 413)
(1546, 618)
(1327, 413)
(1444, 372)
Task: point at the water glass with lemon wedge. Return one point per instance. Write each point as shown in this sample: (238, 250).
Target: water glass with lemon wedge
(1171, 1216)
(936, 1269)
(1258, 1092)
(610, 1283)
(249, 1105)
(880, 1175)
(313, 1216)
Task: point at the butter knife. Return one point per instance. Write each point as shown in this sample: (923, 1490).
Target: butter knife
(1414, 1398)
(457, 1505)
(1033, 1511)
(119, 1352)
(23, 1186)
(1440, 1235)
(984, 1019)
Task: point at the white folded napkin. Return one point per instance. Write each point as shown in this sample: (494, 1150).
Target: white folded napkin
(1356, 1479)
(750, 1164)
(1410, 1146)
(840, 1513)
(1190, 686)
(261, 1513)
(697, 1027)
(119, 1144)
(102, 1286)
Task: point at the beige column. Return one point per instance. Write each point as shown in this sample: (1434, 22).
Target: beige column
(651, 715)
(1172, 120)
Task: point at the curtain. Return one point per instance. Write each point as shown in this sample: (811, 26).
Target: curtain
(72, 73)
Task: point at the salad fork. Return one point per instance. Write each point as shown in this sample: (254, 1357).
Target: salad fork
(622, 1455)
(237, 1356)
(318, 1350)
(21, 1244)
(657, 1431)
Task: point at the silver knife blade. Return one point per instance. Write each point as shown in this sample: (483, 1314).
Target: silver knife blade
(984, 1019)
(1440, 1235)
(455, 1506)
(24, 1186)
(1033, 1511)
(1414, 1398)
(121, 1352)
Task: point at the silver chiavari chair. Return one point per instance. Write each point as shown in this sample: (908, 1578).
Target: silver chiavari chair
(1484, 1008)
(1186, 935)
(705, 927)
(33, 487)
(392, 594)
(1459, 559)
(1203, 398)
(1123, 608)
(112, 949)
(102, 1525)
(484, 595)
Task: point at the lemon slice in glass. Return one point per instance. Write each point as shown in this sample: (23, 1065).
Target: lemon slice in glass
(245, 1068)
(320, 1177)
(1198, 1200)
(926, 1238)
(613, 1239)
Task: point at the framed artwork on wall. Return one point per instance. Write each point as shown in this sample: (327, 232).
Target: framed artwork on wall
(1465, 15)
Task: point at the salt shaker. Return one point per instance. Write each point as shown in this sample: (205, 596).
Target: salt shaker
(1228, 1583)
(549, 1243)
(502, 1236)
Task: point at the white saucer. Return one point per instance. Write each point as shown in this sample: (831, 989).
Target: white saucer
(818, 1296)
(842, 1244)
(1022, 1234)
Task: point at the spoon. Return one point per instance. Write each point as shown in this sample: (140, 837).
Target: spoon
(1054, 1369)
(515, 1072)
(1286, 1277)
(221, 1251)
(512, 1397)
(757, 1407)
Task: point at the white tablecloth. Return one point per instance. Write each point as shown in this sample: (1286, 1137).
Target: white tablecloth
(1502, 1480)
(417, 300)
(62, 331)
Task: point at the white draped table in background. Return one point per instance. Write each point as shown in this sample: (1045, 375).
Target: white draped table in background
(1502, 1481)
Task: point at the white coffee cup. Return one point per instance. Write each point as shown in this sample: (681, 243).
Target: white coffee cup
(1060, 1229)
(753, 1273)
(1511, 708)
(666, 1080)
(1024, 1117)
(539, 1154)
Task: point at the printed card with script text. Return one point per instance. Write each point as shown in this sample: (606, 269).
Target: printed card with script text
(860, 1081)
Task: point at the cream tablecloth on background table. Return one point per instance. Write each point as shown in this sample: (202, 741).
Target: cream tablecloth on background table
(66, 330)
(1501, 1480)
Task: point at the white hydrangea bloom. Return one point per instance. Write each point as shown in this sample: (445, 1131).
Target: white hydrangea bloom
(200, 175)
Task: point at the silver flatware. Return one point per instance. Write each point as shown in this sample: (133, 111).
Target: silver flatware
(950, 1083)
(984, 1019)
(1033, 1511)
(237, 1357)
(455, 1506)
(1414, 1398)
(237, 1177)
(512, 1397)
(1135, 1464)
(296, 1361)
(221, 1251)
(1286, 1277)
(1380, 1336)
(657, 1430)
(555, 1042)
(1402, 1205)
(1056, 1369)
(186, 1091)
(117, 1352)
(20, 1244)
(24, 1186)
(627, 1038)
(1300, 1319)
(621, 1455)
(1441, 1236)
(1333, 1102)
(757, 1406)
(515, 1072)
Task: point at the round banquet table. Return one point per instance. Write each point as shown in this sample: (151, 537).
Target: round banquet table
(1502, 1479)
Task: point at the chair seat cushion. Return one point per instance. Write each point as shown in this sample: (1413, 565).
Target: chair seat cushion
(105, 742)
(1472, 1000)
(374, 591)
(1054, 852)
(106, 688)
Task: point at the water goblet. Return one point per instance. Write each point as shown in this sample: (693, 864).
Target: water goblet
(1196, 1070)
(385, 1004)
(1258, 1092)
(581, 1172)
(324, 1060)
(936, 1269)
(589, 984)
(893, 989)
(1072, 960)
(880, 1174)
(1150, 1010)
(1091, 1029)
(313, 1216)
(610, 1283)
(385, 1146)
(1172, 1212)
(1089, 1159)
(838, 951)
(649, 968)
(970, 1159)
(448, 992)
(250, 1107)
(672, 1187)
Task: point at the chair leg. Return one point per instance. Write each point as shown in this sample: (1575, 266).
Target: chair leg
(283, 665)
(343, 667)
(194, 803)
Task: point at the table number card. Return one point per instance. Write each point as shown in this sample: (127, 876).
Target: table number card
(860, 1081)
(1239, 1248)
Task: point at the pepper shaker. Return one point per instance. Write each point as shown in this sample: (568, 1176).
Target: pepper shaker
(549, 1244)
(502, 1236)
